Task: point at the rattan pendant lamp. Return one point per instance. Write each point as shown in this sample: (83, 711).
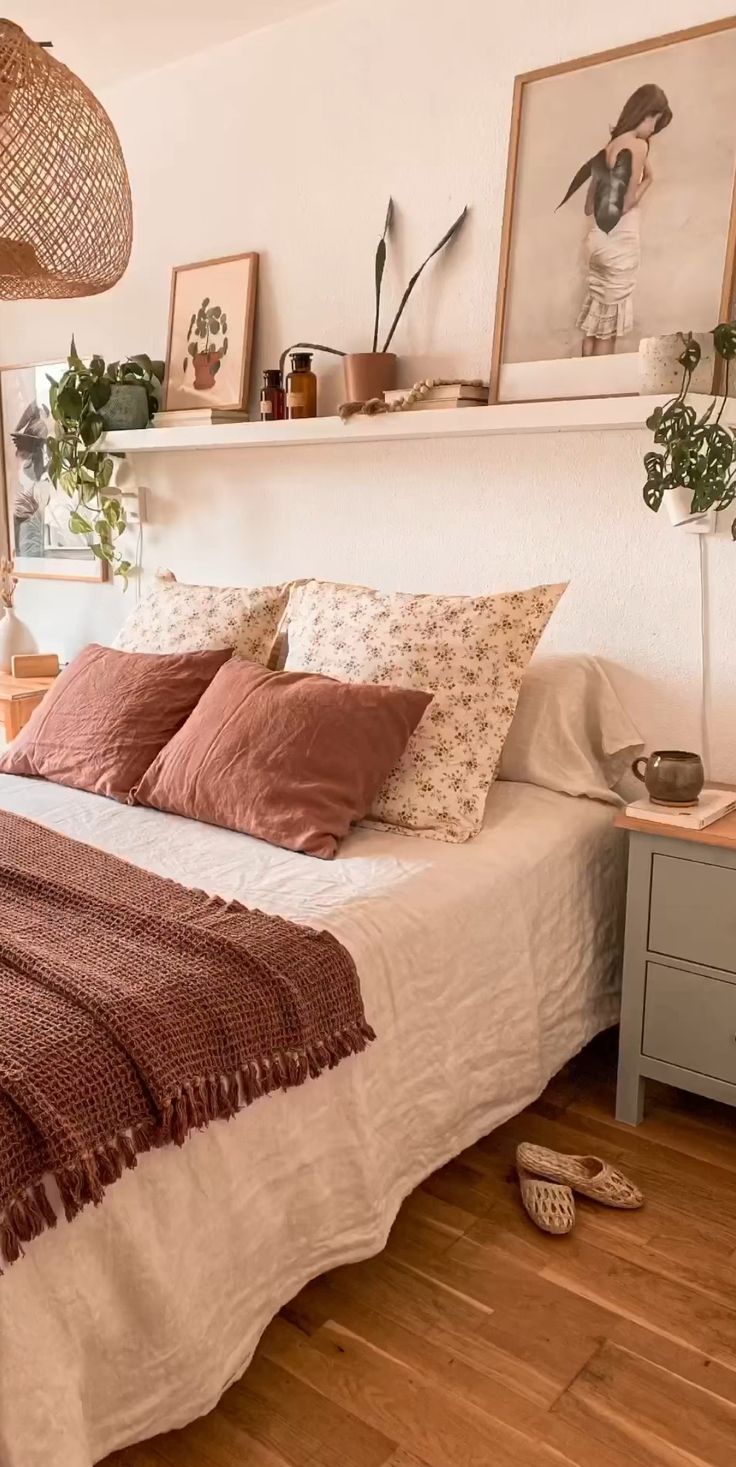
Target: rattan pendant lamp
(66, 224)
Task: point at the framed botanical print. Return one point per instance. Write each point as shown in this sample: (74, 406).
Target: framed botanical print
(619, 213)
(211, 316)
(34, 516)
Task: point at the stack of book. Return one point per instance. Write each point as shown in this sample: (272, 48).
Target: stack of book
(198, 417)
(445, 395)
(712, 805)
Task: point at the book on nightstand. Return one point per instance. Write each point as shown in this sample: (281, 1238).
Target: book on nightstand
(712, 805)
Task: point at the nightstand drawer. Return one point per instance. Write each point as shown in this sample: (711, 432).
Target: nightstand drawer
(690, 1021)
(692, 912)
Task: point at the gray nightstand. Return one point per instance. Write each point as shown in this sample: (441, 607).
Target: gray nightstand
(678, 1007)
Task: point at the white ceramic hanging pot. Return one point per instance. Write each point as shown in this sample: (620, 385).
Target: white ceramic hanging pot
(15, 638)
(677, 502)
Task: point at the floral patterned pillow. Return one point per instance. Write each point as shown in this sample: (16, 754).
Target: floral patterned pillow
(176, 617)
(469, 651)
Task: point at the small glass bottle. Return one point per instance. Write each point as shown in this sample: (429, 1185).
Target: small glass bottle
(301, 387)
(273, 397)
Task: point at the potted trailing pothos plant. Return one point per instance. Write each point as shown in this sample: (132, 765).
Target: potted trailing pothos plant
(369, 374)
(207, 344)
(83, 405)
(695, 458)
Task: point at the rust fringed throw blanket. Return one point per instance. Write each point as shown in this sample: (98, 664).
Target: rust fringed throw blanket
(133, 1010)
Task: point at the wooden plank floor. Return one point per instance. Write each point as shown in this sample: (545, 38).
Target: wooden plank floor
(476, 1341)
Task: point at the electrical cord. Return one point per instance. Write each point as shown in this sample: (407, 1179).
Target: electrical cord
(704, 656)
(138, 561)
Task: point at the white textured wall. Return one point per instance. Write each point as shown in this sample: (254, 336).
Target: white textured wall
(288, 142)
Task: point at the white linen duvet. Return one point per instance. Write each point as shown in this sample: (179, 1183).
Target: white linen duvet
(483, 968)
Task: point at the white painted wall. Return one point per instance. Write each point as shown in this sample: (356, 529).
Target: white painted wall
(288, 142)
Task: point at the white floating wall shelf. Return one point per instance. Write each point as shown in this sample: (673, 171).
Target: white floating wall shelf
(592, 414)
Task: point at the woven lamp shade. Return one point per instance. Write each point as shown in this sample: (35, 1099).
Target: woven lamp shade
(66, 222)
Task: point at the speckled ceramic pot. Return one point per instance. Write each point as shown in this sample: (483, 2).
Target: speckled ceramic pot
(127, 407)
(660, 371)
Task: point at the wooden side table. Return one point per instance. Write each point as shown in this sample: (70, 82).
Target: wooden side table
(678, 1004)
(18, 698)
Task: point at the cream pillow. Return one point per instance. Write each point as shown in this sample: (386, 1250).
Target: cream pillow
(570, 731)
(176, 617)
(469, 651)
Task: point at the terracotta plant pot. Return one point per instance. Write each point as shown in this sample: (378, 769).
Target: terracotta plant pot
(369, 374)
(206, 367)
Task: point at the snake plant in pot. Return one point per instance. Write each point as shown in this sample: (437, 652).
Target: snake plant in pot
(88, 399)
(368, 374)
(695, 457)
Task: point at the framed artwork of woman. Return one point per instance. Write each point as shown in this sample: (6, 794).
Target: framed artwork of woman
(619, 218)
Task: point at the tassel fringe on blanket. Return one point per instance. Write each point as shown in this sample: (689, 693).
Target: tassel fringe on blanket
(159, 1010)
(30, 1214)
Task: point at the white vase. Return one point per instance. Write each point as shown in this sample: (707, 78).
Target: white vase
(14, 638)
(660, 371)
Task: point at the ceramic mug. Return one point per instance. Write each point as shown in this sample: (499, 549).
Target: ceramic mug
(672, 776)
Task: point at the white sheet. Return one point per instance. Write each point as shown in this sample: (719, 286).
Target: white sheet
(483, 969)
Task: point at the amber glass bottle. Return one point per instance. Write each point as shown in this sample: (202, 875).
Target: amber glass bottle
(301, 387)
(273, 397)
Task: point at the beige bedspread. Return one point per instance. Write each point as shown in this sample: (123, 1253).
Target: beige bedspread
(482, 967)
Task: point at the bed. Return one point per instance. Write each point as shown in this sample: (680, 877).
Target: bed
(484, 967)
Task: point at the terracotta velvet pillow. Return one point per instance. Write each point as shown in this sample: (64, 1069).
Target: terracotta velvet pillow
(108, 715)
(293, 758)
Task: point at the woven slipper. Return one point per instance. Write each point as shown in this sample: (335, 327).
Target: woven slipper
(550, 1206)
(588, 1175)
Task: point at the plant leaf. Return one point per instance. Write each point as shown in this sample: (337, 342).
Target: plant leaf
(78, 525)
(74, 360)
(690, 357)
(99, 393)
(69, 402)
(444, 241)
(106, 472)
(653, 492)
(91, 427)
(380, 266)
(724, 340)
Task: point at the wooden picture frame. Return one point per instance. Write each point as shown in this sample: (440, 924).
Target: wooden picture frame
(517, 375)
(37, 539)
(206, 295)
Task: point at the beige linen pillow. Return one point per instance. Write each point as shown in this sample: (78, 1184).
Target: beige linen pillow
(570, 731)
(176, 617)
(469, 651)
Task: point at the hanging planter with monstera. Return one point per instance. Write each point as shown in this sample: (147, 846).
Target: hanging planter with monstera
(695, 456)
(207, 344)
